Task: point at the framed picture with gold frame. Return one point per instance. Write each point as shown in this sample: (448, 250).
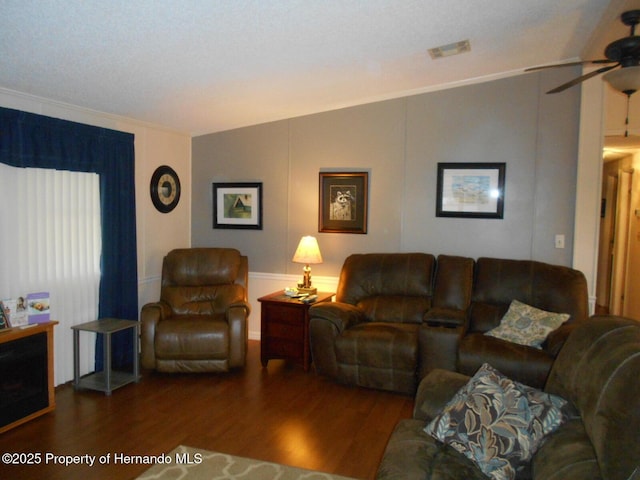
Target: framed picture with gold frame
(343, 202)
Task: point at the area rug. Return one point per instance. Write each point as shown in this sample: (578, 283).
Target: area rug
(187, 463)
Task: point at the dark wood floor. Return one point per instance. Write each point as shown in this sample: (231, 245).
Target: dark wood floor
(279, 414)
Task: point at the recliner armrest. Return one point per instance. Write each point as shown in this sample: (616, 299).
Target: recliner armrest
(159, 310)
(237, 314)
(342, 315)
(242, 305)
(150, 315)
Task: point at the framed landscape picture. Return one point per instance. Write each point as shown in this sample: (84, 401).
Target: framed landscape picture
(343, 202)
(470, 190)
(237, 205)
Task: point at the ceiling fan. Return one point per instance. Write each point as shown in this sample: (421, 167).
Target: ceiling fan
(623, 53)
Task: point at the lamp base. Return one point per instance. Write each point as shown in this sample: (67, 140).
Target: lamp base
(309, 290)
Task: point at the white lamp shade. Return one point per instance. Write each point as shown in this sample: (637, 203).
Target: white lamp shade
(308, 251)
(624, 79)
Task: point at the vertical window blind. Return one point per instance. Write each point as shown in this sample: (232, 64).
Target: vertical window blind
(50, 241)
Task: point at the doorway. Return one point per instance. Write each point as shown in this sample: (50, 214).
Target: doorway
(618, 279)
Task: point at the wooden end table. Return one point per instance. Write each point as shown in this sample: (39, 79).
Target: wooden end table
(284, 331)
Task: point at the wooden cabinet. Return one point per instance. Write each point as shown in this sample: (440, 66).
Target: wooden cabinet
(284, 331)
(26, 374)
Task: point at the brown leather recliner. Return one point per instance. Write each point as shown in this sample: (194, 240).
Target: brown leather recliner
(200, 322)
(369, 335)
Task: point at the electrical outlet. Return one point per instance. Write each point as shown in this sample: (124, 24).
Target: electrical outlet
(559, 241)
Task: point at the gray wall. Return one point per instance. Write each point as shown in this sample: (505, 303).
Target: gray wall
(400, 142)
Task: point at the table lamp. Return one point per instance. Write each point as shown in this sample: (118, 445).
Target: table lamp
(308, 253)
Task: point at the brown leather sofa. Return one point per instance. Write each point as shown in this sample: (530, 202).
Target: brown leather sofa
(596, 371)
(397, 316)
(200, 322)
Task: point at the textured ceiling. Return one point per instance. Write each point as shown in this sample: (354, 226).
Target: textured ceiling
(205, 66)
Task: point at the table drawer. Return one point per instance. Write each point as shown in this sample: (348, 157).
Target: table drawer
(284, 314)
(284, 348)
(289, 331)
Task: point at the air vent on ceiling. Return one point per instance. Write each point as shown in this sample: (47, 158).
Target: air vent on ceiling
(450, 49)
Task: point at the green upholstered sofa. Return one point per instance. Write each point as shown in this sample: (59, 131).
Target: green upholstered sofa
(596, 371)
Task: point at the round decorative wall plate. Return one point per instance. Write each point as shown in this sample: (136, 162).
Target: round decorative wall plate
(165, 189)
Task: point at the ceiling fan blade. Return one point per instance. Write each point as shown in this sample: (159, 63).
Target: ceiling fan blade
(570, 64)
(581, 79)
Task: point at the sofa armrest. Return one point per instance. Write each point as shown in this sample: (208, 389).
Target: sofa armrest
(341, 315)
(327, 320)
(435, 390)
(555, 340)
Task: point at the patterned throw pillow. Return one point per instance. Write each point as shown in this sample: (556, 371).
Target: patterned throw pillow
(527, 325)
(496, 422)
